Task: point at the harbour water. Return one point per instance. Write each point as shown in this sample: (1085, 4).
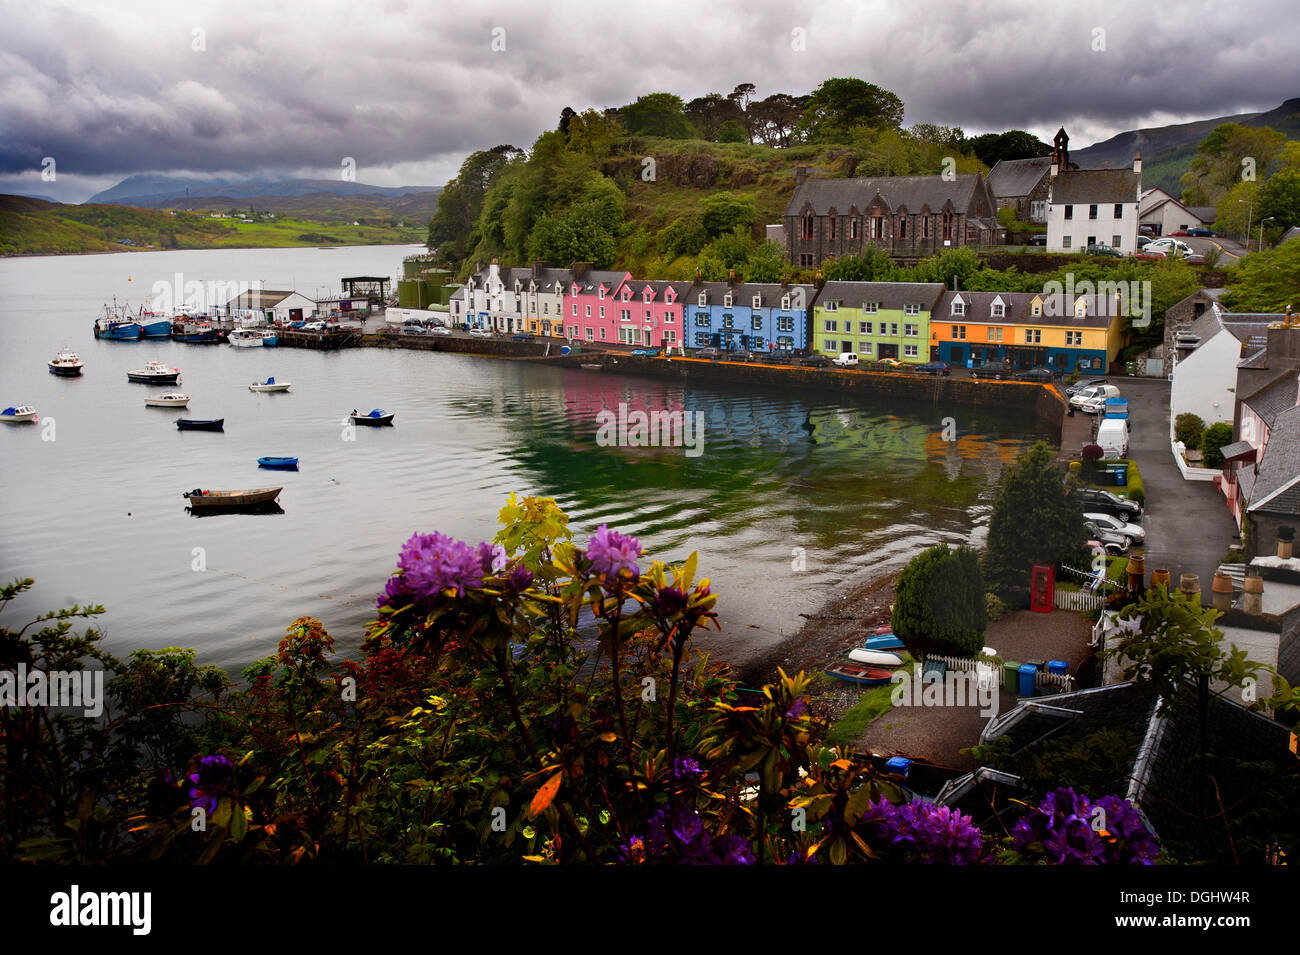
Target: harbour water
(791, 498)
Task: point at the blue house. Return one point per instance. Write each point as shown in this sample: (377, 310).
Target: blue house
(759, 316)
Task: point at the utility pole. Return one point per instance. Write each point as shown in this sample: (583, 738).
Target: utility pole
(1250, 207)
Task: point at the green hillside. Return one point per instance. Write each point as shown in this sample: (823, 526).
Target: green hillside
(35, 227)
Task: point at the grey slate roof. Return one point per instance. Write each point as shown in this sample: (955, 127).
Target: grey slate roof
(1230, 451)
(1018, 311)
(1273, 398)
(884, 294)
(1206, 214)
(910, 193)
(1013, 178)
(770, 294)
(1076, 186)
(593, 278)
(1276, 489)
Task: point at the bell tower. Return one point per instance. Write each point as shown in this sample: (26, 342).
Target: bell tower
(1061, 150)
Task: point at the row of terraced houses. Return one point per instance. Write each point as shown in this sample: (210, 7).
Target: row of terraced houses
(906, 321)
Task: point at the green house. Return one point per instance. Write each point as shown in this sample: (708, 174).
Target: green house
(876, 320)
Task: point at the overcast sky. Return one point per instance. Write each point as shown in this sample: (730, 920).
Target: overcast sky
(246, 88)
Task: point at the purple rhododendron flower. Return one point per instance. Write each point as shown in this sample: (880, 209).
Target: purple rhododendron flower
(520, 579)
(213, 778)
(669, 601)
(435, 563)
(684, 840)
(1069, 829)
(796, 709)
(924, 832)
(684, 767)
(395, 592)
(492, 556)
(613, 554)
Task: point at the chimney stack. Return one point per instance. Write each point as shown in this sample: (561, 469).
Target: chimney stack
(1222, 590)
(1285, 540)
(800, 174)
(1252, 601)
(1137, 163)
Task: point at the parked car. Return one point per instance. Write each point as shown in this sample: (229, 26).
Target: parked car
(814, 360)
(739, 354)
(1143, 241)
(1112, 543)
(1039, 238)
(892, 364)
(1200, 230)
(521, 337)
(710, 353)
(1194, 258)
(1093, 399)
(315, 326)
(782, 357)
(1105, 250)
(416, 330)
(1168, 246)
(440, 330)
(991, 369)
(1109, 522)
(479, 333)
(1034, 374)
(846, 359)
(645, 353)
(1082, 384)
(1150, 253)
(933, 368)
(1096, 499)
(1148, 230)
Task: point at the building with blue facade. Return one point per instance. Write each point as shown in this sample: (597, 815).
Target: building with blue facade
(759, 316)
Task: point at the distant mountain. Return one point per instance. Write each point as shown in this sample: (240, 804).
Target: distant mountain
(155, 191)
(1167, 151)
(32, 195)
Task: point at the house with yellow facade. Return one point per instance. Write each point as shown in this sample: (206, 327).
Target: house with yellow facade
(875, 320)
(1062, 332)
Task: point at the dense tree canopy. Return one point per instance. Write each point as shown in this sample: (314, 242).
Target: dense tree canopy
(1033, 521)
(1230, 154)
(841, 104)
(992, 148)
(656, 114)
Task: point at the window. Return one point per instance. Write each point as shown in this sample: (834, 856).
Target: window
(701, 319)
(756, 323)
(910, 351)
(589, 311)
(864, 328)
(864, 348)
(893, 328)
(959, 307)
(1092, 211)
(1036, 309)
(959, 332)
(670, 335)
(947, 225)
(995, 334)
(1069, 212)
(1119, 211)
(805, 260)
(701, 339)
(1066, 242)
(785, 303)
(869, 307)
(902, 227)
(831, 306)
(756, 342)
(668, 318)
(590, 337)
(758, 301)
(1074, 338)
(806, 232)
(785, 343)
(911, 309)
(910, 330)
(853, 228)
(575, 309)
(602, 333)
(726, 300)
(831, 227)
(998, 310)
(602, 311)
(1033, 336)
(703, 296)
(831, 325)
(625, 315)
(728, 321)
(785, 324)
(877, 227)
(601, 293)
(1114, 242)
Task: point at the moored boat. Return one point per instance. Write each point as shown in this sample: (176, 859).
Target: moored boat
(198, 333)
(376, 417)
(269, 385)
(246, 338)
(18, 414)
(861, 675)
(155, 373)
(883, 641)
(875, 658)
(272, 463)
(201, 424)
(117, 330)
(220, 499)
(169, 400)
(66, 364)
(153, 325)
(270, 339)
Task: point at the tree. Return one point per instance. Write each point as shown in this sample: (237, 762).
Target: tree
(1215, 437)
(1033, 520)
(656, 114)
(1238, 208)
(731, 132)
(1280, 199)
(939, 601)
(842, 103)
(1266, 281)
(774, 120)
(740, 98)
(884, 152)
(992, 148)
(708, 113)
(461, 202)
(766, 263)
(723, 212)
(873, 264)
(1231, 153)
(1189, 429)
(591, 133)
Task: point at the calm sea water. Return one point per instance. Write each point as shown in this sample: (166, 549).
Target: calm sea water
(96, 514)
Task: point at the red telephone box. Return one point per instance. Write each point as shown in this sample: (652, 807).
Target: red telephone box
(1042, 586)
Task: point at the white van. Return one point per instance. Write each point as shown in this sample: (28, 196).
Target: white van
(1094, 398)
(1112, 438)
(846, 359)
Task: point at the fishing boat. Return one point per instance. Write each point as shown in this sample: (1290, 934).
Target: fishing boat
(269, 385)
(116, 325)
(270, 339)
(278, 464)
(198, 333)
(18, 414)
(201, 424)
(863, 676)
(231, 499)
(246, 338)
(155, 373)
(153, 325)
(169, 400)
(875, 658)
(66, 364)
(377, 417)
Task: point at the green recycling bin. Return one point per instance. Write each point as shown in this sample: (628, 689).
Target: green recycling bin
(1010, 676)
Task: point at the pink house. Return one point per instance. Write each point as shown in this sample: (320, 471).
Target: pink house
(611, 307)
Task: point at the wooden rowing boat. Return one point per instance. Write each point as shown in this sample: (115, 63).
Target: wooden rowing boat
(863, 676)
(218, 499)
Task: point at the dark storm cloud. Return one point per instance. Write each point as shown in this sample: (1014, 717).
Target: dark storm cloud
(408, 89)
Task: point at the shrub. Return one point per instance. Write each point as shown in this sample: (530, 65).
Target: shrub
(1216, 436)
(940, 601)
(994, 608)
(1189, 429)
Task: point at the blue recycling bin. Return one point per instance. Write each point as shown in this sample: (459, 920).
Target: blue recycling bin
(1027, 674)
(899, 764)
(1058, 667)
(1121, 476)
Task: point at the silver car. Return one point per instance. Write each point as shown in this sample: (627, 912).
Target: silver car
(1108, 522)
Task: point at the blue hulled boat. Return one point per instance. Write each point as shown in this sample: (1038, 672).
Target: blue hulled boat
(278, 464)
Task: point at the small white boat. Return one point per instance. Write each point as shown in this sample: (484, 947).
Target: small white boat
(877, 658)
(269, 385)
(66, 363)
(199, 498)
(246, 338)
(170, 400)
(18, 414)
(155, 373)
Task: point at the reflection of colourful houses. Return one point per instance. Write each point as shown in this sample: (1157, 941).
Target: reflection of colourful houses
(1027, 330)
(876, 320)
(753, 315)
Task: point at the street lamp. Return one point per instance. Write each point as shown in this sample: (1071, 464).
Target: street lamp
(1250, 207)
(1261, 232)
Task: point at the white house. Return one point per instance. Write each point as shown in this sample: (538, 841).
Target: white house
(271, 305)
(1164, 213)
(1206, 356)
(494, 299)
(1088, 207)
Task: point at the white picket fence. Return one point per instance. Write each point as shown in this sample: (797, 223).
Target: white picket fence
(1058, 682)
(1078, 600)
